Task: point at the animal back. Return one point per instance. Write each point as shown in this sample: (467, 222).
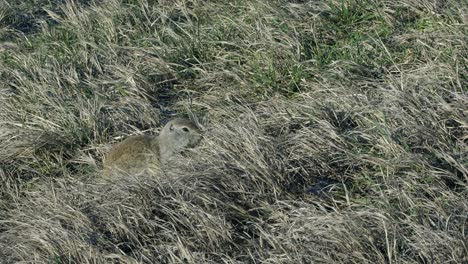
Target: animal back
(133, 152)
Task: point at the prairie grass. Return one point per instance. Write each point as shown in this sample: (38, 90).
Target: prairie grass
(335, 131)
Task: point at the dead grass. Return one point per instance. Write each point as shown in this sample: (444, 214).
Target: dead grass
(336, 131)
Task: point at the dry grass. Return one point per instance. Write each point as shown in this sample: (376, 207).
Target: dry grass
(336, 131)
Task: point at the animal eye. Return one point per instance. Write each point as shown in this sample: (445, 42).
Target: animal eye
(185, 129)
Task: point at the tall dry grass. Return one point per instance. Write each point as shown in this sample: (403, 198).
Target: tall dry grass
(336, 131)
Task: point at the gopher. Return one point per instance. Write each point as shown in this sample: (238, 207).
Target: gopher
(135, 153)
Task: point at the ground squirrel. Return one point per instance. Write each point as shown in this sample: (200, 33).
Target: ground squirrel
(135, 153)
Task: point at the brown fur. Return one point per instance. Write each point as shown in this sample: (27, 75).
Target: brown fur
(136, 153)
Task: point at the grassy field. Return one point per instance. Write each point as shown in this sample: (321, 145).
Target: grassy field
(335, 131)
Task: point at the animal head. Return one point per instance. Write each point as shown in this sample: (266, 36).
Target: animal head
(176, 135)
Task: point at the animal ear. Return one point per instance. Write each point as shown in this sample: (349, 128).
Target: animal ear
(171, 127)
